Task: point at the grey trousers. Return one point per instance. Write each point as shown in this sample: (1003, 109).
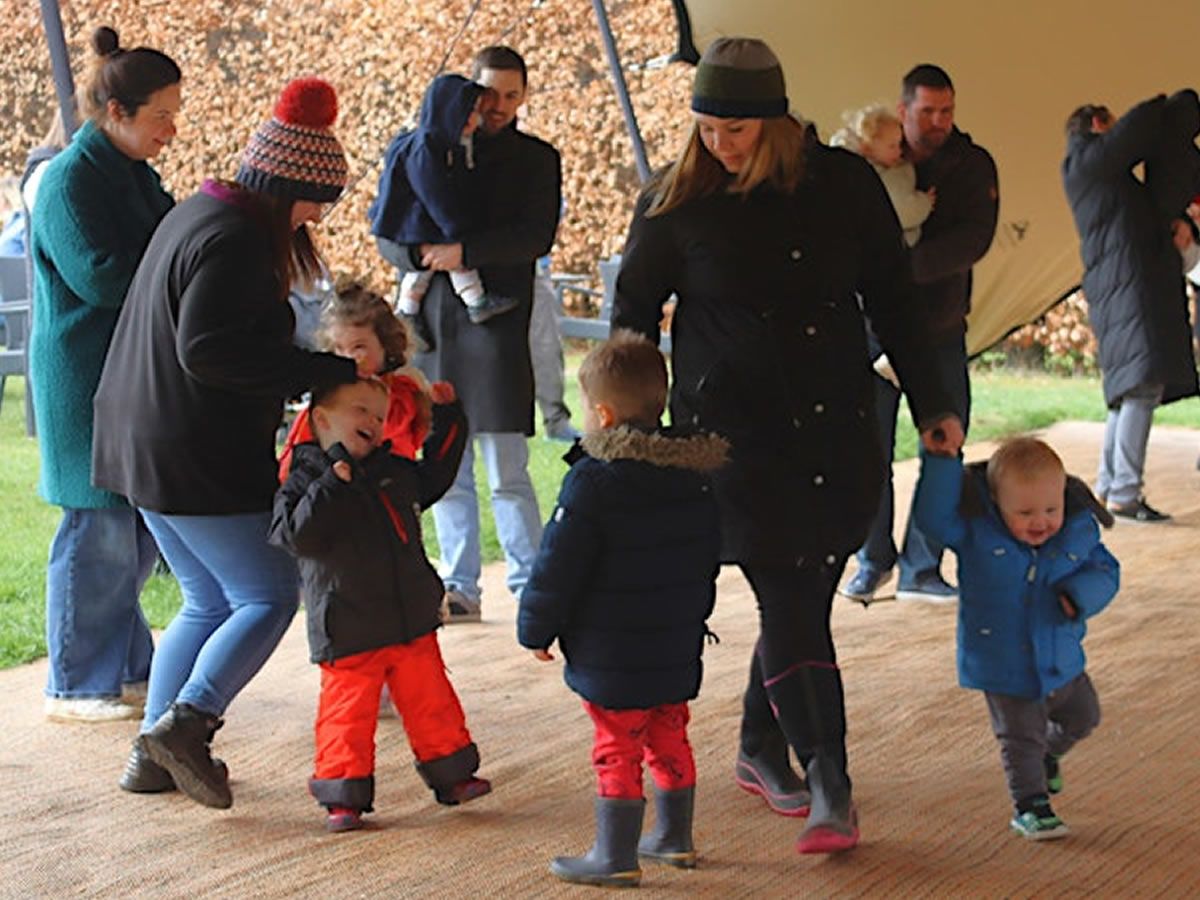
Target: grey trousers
(1029, 729)
(1126, 434)
(545, 347)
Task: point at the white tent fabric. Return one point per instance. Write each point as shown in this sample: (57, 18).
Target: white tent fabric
(1019, 69)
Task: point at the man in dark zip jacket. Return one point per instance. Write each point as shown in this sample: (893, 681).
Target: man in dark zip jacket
(956, 235)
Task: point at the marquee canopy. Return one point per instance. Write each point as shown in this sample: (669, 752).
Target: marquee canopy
(1019, 68)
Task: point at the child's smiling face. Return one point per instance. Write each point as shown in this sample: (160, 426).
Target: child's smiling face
(352, 415)
(361, 344)
(1032, 507)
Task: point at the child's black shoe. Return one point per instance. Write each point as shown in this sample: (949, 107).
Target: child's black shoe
(463, 791)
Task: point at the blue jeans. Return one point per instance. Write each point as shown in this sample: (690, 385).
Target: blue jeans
(514, 507)
(921, 554)
(95, 631)
(1126, 434)
(239, 595)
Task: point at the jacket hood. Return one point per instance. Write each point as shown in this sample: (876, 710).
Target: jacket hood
(977, 499)
(698, 452)
(447, 105)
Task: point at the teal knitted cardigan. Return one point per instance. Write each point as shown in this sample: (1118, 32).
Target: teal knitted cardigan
(95, 213)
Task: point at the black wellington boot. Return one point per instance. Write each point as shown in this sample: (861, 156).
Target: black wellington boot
(671, 840)
(832, 821)
(613, 859)
(768, 772)
(179, 742)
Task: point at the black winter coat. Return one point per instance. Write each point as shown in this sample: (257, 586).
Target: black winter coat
(199, 366)
(489, 364)
(626, 574)
(1133, 275)
(770, 347)
(957, 233)
(366, 580)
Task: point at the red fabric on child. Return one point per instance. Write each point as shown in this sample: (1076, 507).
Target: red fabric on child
(406, 427)
(624, 737)
(348, 709)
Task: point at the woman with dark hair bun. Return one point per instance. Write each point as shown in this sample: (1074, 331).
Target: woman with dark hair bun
(99, 202)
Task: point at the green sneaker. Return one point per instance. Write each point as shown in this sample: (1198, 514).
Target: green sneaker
(1054, 780)
(1039, 824)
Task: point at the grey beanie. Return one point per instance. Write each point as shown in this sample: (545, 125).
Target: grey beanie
(739, 78)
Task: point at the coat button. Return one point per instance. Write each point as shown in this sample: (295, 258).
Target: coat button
(830, 559)
(818, 407)
(818, 480)
(795, 423)
(810, 330)
(796, 254)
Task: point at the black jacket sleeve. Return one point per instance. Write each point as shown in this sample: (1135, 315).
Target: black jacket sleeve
(442, 452)
(650, 263)
(311, 508)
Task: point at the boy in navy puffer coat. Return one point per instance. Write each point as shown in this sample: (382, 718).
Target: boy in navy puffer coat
(1032, 571)
(624, 581)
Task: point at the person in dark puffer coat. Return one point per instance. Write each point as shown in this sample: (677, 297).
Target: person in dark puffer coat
(624, 581)
(350, 512)
(1132, 278)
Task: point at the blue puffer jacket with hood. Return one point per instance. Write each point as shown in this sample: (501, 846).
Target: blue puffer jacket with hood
(425, 190)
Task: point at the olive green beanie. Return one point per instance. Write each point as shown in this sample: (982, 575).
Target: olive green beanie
(739, 78)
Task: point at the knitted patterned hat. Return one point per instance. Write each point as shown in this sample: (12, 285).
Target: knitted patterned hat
(739, 78)
(294, 154)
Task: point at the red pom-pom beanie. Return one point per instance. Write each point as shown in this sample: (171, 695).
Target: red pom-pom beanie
(294, 153)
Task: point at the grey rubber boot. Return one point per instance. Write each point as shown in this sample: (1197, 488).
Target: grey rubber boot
(769, 773)
(179, 742)
(832, 820)
(671, 840)
(613, 859)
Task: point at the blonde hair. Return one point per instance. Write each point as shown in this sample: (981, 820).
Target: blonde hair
(1023, 458)
(628, 372)
(777, 159)
(862, 126)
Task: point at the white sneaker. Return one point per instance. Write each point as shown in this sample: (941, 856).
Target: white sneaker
(89, 709)
(133, 693)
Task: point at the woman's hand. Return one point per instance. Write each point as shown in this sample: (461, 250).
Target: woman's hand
(944, 437)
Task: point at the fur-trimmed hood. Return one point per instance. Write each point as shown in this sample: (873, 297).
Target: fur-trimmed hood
(699, 452)
(977, 500)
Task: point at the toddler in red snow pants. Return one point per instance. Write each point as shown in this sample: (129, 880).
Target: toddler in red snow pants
(627, 737)
(433, 719)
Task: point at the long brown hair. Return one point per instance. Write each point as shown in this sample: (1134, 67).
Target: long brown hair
(778, 160)
(294, 257)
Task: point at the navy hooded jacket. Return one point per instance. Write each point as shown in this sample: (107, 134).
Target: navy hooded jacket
(626, 574)
(428, 174)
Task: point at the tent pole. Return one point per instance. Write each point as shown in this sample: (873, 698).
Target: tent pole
(60, 64)
(618, 77)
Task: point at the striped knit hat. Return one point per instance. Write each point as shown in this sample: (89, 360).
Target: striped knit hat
(739, 78)
(294, 154)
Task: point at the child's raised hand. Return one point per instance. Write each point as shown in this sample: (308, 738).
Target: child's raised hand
(932, 195)
(442, 392)
(542, 655)
(341, 469)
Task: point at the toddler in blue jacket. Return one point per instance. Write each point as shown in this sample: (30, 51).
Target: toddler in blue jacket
(431, 193)
(624, 581)
(1032, 571)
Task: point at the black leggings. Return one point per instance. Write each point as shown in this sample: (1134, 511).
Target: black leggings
(795, 684)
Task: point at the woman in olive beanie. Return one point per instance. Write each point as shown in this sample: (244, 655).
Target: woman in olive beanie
(775, 246)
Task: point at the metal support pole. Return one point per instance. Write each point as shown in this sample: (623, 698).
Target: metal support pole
(618, 77)
(60, 64)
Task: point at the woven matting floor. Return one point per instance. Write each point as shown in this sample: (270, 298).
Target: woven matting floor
(928, 782)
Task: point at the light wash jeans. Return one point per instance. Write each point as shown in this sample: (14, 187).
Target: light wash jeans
(239, 595)
(95, 631)
(514, 508)
(1126, 434)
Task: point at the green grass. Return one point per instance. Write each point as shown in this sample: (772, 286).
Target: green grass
(1003, 403)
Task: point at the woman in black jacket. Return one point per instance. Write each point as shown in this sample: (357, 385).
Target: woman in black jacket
(186, 414)
(774, 244)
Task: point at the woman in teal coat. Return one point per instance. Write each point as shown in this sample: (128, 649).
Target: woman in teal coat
(100, 202)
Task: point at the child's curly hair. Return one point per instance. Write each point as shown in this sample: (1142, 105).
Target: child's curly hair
(864, 125)
(356, 305)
